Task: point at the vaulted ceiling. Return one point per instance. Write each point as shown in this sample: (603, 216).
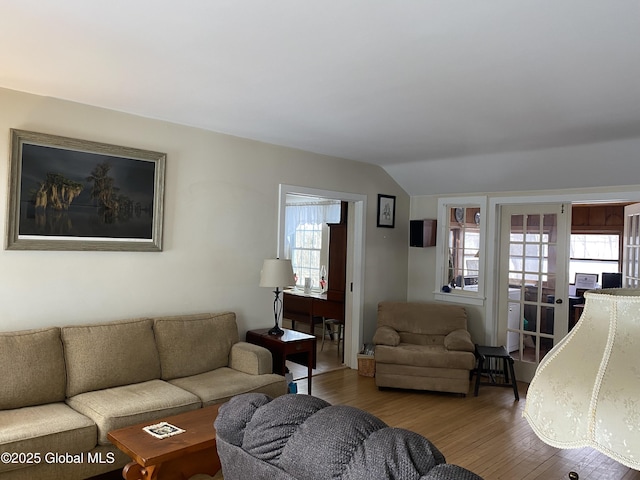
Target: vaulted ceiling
(394, 83)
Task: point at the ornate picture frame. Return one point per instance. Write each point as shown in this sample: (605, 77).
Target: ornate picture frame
(386, 211)
(71, 194)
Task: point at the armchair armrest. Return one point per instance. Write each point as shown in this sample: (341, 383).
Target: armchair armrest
(459, 340)
(249, 358)
(386, 335)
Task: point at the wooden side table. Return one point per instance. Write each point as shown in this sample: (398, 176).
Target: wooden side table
(295, 346)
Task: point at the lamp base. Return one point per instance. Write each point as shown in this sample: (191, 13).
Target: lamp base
(276, 330)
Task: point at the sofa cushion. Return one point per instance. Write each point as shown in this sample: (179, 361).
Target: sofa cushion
(221, 384)
(424, 356)
(386, 336)
(193, 344)
(45, 428)
(37, 373)
(120, 407)
(109, 355)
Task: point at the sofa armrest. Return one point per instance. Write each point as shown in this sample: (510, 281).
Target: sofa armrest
(249, 358)
(386, 335)
(459, 340)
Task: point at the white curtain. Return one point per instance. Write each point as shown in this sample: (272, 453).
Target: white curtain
(301, 210)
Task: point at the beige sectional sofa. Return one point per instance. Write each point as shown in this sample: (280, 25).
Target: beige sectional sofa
(423, 346)
(63, 389)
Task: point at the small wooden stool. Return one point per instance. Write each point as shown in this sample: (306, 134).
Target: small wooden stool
(482, 354)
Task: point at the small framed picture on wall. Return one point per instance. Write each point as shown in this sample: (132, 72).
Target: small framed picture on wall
(386, 211)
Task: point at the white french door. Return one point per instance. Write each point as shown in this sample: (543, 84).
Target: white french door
(631, 247)
(533, 312)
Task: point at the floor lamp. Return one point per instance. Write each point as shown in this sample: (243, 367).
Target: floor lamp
(276, 273)
(586, 390)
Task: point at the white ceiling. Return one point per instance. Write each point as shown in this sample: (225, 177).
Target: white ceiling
(390, 82)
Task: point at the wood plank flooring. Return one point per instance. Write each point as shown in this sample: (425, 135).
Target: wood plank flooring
(485, 434)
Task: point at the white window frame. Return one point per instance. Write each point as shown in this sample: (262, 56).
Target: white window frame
(469, 297)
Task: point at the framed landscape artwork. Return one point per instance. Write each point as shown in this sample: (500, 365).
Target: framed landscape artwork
(70, 194)
(386, 211)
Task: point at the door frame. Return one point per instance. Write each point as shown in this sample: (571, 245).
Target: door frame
(493, 234)
(356, 228)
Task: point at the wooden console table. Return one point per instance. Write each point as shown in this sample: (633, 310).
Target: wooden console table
(310, 308)
(294, 346)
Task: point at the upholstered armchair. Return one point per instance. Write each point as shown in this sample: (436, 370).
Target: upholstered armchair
(423, 346)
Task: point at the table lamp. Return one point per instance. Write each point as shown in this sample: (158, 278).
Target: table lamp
(586, 390)
(276, 273)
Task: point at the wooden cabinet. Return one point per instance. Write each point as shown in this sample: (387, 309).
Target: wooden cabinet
(337, 272)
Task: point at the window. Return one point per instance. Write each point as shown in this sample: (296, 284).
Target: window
(460, 261)
(307, 235)
(594, 253)
(306, 252)
(464, 254)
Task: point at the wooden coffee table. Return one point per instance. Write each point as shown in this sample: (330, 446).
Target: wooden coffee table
(176, 457)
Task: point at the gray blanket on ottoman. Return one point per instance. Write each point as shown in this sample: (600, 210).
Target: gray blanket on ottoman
(305, 438)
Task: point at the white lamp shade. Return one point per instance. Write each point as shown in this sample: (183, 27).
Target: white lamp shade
(276, 273)
(586, 391)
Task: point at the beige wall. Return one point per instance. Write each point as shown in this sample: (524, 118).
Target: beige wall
(220, 215)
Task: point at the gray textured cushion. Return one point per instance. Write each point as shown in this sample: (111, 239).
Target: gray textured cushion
(303, 437)
(109, 355)
(242, 407)
(193, 344)
(34, 372)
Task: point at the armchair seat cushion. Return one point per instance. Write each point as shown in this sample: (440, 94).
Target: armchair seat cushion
(436, 356)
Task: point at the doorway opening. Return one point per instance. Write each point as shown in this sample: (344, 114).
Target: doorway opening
(354, 281)
(591, 215)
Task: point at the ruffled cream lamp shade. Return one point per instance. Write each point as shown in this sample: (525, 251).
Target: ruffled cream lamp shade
(586, 390)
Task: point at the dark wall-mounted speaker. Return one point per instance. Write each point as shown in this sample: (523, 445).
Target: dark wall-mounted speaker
(422, 233)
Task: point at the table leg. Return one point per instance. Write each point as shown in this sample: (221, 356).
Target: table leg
(479, 368)
(309, 368)
(513, 379)
(202, 461)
